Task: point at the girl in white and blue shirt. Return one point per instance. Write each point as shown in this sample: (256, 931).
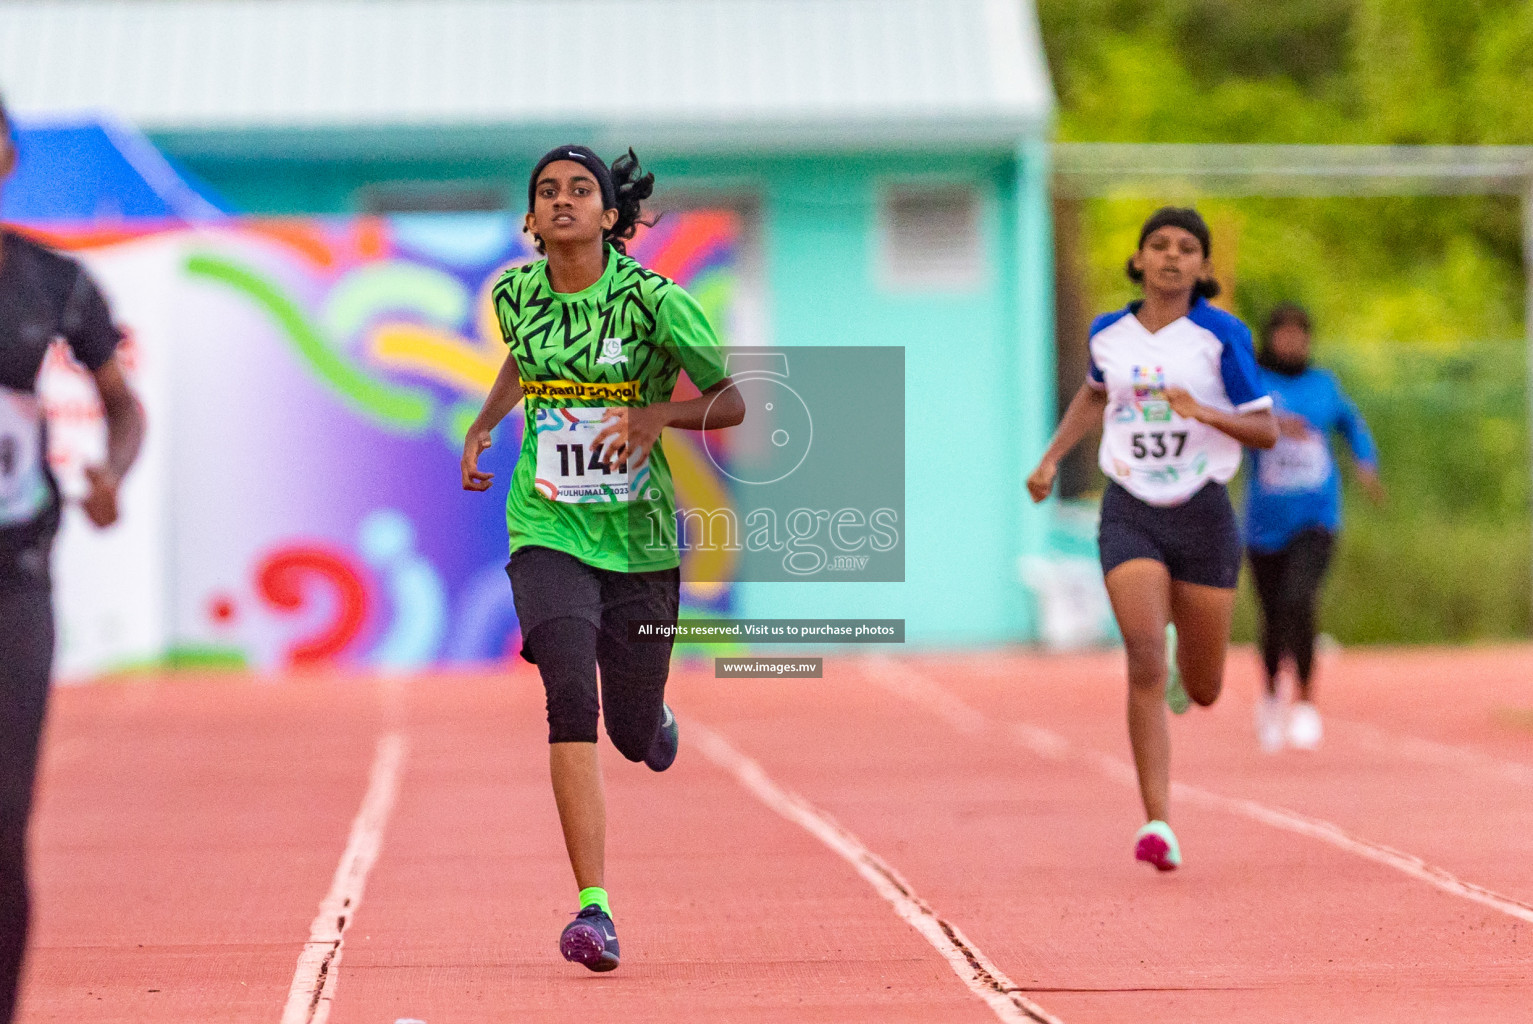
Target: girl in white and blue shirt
(1174, 383)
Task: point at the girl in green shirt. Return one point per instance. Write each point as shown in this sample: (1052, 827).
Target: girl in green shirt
(596, 344)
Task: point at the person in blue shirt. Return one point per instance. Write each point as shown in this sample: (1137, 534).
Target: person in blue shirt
(1293, 512)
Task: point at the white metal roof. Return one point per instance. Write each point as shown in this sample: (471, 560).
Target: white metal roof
(910, 67)
(1160, 169)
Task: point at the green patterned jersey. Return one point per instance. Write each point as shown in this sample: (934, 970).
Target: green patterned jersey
(621, 342)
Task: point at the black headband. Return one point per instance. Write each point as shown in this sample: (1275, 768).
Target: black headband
(585, 158)
(1183, 217)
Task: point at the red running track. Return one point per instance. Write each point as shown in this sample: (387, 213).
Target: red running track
(188, 828)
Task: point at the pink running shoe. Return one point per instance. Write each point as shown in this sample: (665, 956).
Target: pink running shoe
(1156, 844)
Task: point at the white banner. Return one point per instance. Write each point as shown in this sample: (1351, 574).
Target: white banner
(111, 587)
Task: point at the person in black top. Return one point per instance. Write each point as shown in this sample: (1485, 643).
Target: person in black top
(44, 297)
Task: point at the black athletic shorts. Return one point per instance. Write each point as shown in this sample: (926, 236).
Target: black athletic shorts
(548, 584)
(1197, 541)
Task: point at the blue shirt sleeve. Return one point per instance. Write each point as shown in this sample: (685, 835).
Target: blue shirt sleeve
(1237, 366)
(1352, 426)
(1237, 362)
(1094, 375)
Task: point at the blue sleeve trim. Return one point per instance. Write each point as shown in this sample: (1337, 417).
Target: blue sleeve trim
(1094, 375)
(1237, 362)
(1353, 427)
(1106, 320)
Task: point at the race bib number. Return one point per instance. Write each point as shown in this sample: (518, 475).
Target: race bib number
(1296, 464)
(1158, 445)
(1159, 457)
(23, 485)
(570, 464)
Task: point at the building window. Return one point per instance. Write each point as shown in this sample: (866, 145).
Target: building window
(929, 237)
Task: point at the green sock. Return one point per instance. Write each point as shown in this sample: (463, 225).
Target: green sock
(597, 895)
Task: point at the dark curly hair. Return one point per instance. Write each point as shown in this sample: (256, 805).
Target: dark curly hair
(1191, 221)
(632, 186)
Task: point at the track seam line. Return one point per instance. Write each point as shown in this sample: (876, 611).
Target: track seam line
(313, 990)
(1429, 751)
(1433, 751)
(974, 969)
(919, 689)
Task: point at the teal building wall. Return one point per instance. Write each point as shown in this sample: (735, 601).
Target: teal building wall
(979, 362)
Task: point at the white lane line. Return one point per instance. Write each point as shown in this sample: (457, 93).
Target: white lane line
(1368, 736)
(1430, 751)
(925, 693)
(313, 989)
(1317, 828)
(971, 965)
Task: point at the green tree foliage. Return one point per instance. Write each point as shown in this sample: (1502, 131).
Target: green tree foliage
(1418, 301)
(1352, 71)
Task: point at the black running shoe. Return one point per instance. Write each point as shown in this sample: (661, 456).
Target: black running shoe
(590, 939)
(667, 739)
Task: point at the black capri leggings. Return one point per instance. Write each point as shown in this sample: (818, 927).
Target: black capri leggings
(574, 620)
(26, 659)
(1288, 590)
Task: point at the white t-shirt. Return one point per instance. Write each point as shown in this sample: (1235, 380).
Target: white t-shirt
(1154, 454)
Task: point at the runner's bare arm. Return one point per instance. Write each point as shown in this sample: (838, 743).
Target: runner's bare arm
(124, 439)
(1295, 427)
(1257, 429)
(1368, 476)
(719, 406)
(633, 431)
(504, 395)
(1085, 412)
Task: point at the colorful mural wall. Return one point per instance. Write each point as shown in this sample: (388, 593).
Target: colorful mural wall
(319, 375)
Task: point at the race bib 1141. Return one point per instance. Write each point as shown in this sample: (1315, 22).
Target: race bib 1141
(23, 485)
(570, 463)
